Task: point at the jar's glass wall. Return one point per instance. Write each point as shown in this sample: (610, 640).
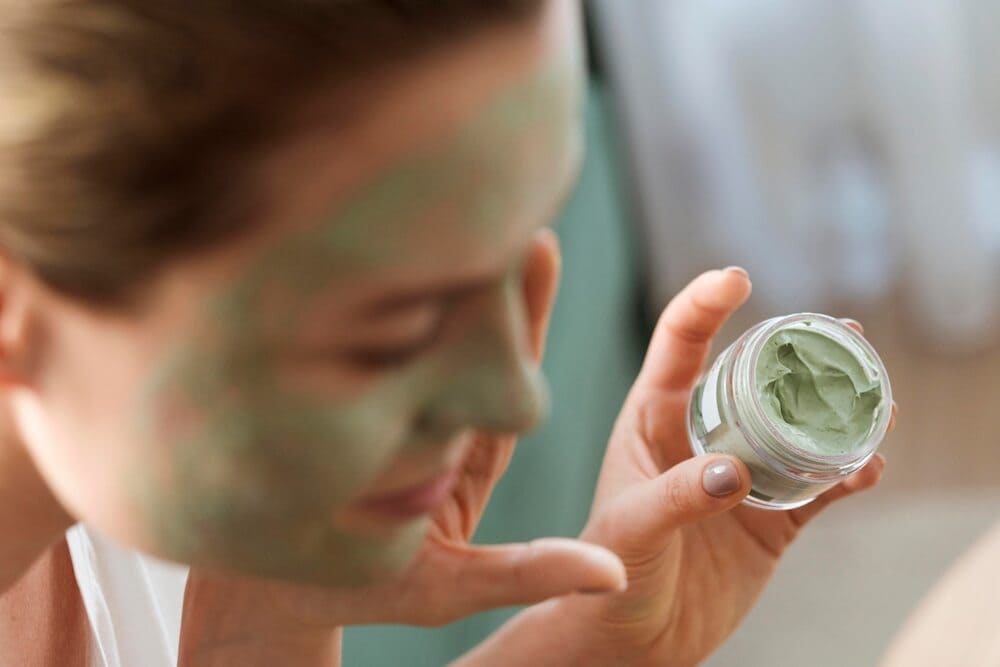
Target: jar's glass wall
(716, 424)
(713, 428)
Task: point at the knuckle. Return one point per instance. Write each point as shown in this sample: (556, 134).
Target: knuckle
(689, 332)
(522, 563)
(678, 496)
(655, 423)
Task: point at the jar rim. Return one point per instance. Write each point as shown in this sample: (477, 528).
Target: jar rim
(776, 442)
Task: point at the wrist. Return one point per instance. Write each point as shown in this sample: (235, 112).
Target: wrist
(552, 633)
(290, 650)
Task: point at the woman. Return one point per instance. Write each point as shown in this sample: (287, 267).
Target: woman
(275, 285)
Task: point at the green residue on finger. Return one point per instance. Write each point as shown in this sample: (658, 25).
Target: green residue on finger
(817, 392)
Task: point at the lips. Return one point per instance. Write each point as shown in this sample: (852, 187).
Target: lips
(413, 501)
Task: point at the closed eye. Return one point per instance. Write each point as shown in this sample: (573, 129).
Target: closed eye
(371, 349)
(377, 357)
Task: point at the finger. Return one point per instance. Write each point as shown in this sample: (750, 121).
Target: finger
(482, 467)
(863, 479)
(857, 326)
(517, 574)
(541, 282)
(686, 327)
(694, 489)
(854, 324)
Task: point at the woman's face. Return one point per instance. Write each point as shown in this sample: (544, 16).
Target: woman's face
(295, 404)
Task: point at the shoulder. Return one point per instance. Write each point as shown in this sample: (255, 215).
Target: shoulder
(42, 617)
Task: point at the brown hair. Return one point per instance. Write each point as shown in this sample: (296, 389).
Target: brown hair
(124, 124)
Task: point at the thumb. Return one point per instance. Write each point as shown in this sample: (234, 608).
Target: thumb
(694, 489)
(518, 574)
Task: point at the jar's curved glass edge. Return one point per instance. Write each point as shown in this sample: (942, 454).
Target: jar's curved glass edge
(763, 331)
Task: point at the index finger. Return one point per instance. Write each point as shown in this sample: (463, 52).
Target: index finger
(685, 330)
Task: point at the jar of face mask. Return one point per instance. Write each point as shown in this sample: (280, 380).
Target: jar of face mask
(803, 400)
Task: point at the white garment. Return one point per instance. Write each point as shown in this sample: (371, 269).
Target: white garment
(133, 601)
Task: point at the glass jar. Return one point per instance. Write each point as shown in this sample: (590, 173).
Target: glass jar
(726, 415)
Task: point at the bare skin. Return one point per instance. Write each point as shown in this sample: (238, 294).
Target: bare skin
(27, 508)
(42, 619)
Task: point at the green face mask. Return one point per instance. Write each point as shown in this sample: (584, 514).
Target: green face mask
(247, 467)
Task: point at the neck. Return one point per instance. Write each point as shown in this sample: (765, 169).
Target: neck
(31, 519)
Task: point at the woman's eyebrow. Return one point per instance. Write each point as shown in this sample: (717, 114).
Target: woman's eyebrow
(418, 296)
(415, 296)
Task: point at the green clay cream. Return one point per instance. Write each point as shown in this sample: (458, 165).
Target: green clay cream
(816, 391)
(803, 400)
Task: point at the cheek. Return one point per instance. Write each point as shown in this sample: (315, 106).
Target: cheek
(246, 466)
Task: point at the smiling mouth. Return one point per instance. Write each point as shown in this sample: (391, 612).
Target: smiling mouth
(413, 501)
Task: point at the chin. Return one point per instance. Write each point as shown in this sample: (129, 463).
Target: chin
(337, 560)
(352, 561)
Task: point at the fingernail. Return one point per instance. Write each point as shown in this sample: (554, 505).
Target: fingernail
(620, 587)
(850, 321)
(720, 478)
(596, 591)
(607, 561)
(737, 269)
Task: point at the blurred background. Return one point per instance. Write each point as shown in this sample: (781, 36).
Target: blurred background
(847, 153)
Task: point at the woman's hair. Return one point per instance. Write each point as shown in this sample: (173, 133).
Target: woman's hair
(128, 127)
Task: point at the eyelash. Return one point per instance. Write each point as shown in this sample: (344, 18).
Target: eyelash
(383, 358)
(375, 359)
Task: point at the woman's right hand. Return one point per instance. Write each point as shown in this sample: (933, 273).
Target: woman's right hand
(696, 558)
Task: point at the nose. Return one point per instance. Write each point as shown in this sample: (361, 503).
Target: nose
(493, 383)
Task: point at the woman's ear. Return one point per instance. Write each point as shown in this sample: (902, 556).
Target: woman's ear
(541, 282)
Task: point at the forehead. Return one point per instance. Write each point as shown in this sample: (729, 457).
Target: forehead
(448, 176)
(477, 191)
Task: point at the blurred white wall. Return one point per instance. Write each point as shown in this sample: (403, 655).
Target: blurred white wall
(844, 151)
